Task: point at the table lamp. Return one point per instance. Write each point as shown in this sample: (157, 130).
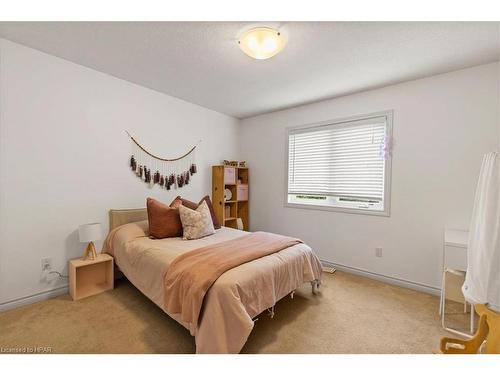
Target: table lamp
(89, 233)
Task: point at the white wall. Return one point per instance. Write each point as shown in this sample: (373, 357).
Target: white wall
(64, 155)
(442, 127)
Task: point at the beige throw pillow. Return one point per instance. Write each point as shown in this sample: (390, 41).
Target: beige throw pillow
(196, 223)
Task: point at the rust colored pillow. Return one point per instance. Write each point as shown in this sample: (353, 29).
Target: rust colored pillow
(164, 221)
(187, 203)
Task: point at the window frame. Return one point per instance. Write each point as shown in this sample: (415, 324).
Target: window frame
(387, 173)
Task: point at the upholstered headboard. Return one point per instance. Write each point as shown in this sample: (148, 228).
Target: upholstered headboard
(120, 217)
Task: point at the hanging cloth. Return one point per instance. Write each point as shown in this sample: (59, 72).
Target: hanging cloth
(482, 280)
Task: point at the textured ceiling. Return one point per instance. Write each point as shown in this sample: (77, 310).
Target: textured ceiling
(200, 61)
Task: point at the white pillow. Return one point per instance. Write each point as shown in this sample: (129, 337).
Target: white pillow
(196, 224)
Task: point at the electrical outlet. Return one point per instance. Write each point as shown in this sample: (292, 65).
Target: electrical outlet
(378, 252)
(46, 264)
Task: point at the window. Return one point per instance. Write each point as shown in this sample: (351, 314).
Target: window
(341, 165)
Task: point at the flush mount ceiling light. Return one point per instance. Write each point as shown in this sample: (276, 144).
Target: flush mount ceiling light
(261, 42)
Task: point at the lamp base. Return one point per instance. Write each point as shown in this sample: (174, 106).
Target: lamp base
(90, 252)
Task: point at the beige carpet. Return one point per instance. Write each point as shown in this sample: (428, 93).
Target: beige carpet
(351, 315)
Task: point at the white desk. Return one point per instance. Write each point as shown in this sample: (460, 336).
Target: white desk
(455, 249)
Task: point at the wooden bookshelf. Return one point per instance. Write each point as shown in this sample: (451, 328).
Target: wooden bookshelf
(236, 180)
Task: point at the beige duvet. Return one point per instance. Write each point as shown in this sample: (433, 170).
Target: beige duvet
(235, 298)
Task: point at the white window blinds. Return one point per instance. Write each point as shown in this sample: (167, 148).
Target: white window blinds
(340, 160)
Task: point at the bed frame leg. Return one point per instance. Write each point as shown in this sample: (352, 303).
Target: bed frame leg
(271, 312)
(315, 286)
(291, 294)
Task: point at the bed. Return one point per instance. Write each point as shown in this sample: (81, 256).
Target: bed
(236, 297)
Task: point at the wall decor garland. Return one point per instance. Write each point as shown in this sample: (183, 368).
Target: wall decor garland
(167, 173)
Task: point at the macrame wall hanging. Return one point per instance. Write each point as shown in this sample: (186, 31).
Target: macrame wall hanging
(167, 173)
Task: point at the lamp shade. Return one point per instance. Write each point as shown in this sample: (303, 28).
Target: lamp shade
(90, 232)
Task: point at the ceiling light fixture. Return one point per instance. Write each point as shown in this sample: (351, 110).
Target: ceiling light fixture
(262, 42)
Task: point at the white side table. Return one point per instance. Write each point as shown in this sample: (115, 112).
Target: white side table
(89, 277)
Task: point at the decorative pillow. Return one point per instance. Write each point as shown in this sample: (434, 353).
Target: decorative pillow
(196, 223)
(164, 221)
(187, 203)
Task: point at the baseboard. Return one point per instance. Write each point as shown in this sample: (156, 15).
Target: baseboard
(12, 304)
(386, 279)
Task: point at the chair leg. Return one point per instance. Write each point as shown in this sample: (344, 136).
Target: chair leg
(441, 300)
(472, 319)
(442, 315)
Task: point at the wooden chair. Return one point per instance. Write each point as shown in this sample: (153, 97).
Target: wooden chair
(488, 330)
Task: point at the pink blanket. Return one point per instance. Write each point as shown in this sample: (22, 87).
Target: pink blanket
(191, 275)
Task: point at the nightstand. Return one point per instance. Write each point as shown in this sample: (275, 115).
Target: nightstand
(89, 277)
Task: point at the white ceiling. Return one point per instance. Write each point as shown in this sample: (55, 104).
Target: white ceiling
(200, 61)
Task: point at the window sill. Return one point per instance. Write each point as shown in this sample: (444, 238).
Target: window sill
(385, 213)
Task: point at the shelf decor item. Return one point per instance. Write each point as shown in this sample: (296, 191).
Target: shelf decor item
(89, 233)
(230, 163)
(227, 195)
(230, 195)
(166, 173)
(239, 224)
